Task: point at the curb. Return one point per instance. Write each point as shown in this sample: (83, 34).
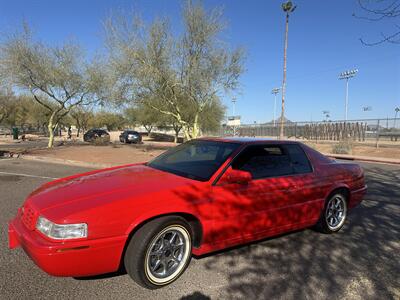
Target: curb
(67, 162)
(102, 166)
(364, 158)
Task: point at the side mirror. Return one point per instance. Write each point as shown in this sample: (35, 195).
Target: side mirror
(235, 176)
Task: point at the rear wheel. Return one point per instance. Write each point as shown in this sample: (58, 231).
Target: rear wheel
(334, 214)
(159, 252)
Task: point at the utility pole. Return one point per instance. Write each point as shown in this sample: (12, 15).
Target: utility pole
(288, 8)
(347, 75)
(275, 91)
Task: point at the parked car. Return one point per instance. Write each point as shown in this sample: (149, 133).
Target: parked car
(130, 136)
(96, 134)
(202, 196)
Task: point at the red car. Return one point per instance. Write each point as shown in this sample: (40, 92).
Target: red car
(202, 196)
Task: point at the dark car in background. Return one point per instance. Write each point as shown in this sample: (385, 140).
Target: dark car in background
(95, 134)
(130, 136)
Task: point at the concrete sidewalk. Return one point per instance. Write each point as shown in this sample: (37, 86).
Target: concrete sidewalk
(111, 164)
(382, 160)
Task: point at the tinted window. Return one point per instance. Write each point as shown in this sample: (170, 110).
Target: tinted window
(299, 159)
(196, 159)
(264, 161)
(100, 132)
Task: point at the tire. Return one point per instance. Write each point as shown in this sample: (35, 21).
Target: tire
(334, 214)
(155, 247)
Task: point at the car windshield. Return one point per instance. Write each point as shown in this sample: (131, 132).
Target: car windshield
(198, 159)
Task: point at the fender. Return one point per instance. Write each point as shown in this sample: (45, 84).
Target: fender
(335, 186)
(155, 213)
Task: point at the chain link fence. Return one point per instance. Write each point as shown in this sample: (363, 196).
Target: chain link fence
(362, 130)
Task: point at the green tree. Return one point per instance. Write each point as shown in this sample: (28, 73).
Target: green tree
(110, 120)
(58, 78)
(82, 116)
(168, 74)
(144, 116)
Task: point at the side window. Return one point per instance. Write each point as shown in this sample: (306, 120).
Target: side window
(299, 159)
(264, 161)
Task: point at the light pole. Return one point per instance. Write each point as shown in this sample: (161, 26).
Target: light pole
(347, 75)
(397, 109)
(288, 8)
(275, 91)
(233, 105)
(367, 108)
(326, 114)
(233, 116)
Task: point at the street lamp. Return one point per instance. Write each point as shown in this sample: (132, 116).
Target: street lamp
(275, 91)
(347, 75)
(288, 8)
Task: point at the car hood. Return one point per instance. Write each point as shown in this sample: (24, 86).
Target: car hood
(132, 180)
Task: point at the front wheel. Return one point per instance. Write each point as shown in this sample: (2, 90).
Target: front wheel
(334, 214)
(159, 252)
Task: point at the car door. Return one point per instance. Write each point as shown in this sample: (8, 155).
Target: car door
(268, 204)
(309, 188)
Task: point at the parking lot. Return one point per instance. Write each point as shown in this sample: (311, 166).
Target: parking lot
(361, 262)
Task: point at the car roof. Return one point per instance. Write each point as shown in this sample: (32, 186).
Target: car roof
(248, 140)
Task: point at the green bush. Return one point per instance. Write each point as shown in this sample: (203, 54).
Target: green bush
(343, 147)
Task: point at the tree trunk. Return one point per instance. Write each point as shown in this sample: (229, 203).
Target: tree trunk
(186, 133)
(177, 128)
(148, 129)
(195, 129)
(50, 128)
(79, 130)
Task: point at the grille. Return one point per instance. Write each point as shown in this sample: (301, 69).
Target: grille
(28, 217)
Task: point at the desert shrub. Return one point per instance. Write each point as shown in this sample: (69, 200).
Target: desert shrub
(101, 141)
(343, 147)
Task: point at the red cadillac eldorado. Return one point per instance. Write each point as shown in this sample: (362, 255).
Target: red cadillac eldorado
(202, 196)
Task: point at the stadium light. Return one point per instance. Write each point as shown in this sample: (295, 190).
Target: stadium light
(346, 75)
(275, 91)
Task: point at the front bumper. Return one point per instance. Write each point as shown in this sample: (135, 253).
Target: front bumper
(68, 258)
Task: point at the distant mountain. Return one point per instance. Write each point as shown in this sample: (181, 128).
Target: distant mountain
(277, 121)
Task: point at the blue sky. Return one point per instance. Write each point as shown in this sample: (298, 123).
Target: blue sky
(323, 41)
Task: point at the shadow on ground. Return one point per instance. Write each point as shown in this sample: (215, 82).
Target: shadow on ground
(361, 261)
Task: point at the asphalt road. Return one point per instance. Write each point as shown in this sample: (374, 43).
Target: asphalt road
(362, 261)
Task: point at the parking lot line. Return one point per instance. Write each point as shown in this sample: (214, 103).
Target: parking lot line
(27, 175)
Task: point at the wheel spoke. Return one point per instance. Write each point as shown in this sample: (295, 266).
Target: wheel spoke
(156, 265)
(171, 240)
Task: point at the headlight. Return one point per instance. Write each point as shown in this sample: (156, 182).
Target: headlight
(61, 231)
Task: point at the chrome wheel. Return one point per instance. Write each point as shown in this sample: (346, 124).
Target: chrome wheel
(167, 254)
(336, 211)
